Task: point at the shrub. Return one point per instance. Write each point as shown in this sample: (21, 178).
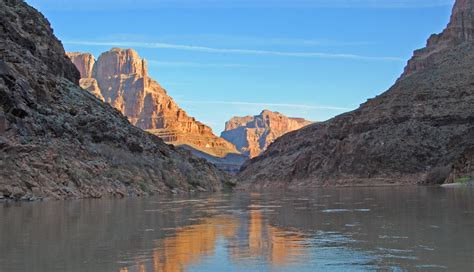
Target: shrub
(462, 180)
(438, 175)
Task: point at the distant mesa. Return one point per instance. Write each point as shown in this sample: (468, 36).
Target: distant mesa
(253, 134)
(120, 78)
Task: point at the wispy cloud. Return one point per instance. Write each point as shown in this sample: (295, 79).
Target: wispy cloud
(156, 4)
(294, 41)
(205, 49)
(186, 64)
(265, 104)
(237, 40)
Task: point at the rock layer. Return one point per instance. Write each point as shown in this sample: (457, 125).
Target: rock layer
(123, 81)
(253, 134)
(459, 30)
(61, 142)
(420, 131)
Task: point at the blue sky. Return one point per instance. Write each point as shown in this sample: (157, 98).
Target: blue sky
(222, 58)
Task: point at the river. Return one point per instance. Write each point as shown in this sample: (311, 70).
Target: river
(338, 229)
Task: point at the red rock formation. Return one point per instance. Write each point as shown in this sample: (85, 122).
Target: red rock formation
(83, 62)
(91, 85)
(123, 81)
(253, 134)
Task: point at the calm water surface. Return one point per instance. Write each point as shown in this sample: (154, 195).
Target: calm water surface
(348, 229)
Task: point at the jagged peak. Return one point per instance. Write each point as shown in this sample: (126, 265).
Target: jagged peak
(461, 24)
(460, 29)
(127, 50)
(461, 7)
(77, 54)
(118, 61)
(268, 112)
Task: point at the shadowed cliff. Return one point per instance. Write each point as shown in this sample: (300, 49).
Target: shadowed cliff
(56, 140)
(420, 131)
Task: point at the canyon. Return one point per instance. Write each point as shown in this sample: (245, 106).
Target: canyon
(120, 77)
(421, 131)
(58, 141)
(253, 134)
(143, 186)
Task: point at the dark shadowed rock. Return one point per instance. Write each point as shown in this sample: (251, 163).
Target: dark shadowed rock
(459, 30)
(59, 141)
(420, 131)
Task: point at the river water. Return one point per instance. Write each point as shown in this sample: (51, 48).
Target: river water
(341, 229)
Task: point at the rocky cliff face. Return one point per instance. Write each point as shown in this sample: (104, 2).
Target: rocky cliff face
(459, 30)
(58, 141)
(91, 85)
(83, 62)
(420, 131)
(120, 77)
(253, 134)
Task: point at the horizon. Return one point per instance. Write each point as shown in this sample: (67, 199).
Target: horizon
(215, 68)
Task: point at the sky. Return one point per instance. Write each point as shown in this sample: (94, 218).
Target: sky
(222, 58)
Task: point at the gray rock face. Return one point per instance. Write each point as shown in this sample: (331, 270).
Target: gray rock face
(460, 29)
(58, 141)
(420, 131)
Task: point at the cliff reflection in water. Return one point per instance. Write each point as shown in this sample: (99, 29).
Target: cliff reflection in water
(247, 238)
(334, 229)
(278, 246)
(191, 243)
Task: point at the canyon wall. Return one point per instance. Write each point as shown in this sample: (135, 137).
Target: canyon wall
(58, 141)
(421, 131)
(120, 77)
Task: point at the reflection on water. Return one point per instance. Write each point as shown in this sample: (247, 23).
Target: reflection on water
(266, 240)
(356, 229)
(189, 244)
